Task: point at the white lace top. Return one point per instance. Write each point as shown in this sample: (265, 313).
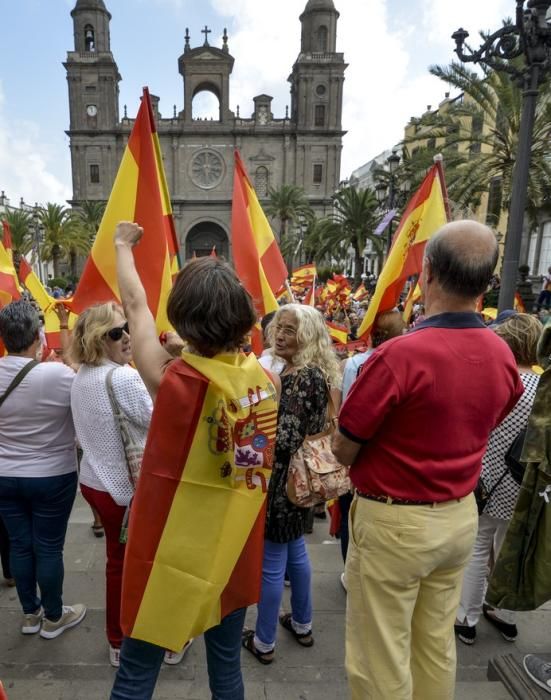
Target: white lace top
(103, 466)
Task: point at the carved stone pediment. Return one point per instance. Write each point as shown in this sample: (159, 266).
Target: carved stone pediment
(262, 157)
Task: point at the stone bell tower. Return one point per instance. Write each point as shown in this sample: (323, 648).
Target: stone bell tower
(93, 78)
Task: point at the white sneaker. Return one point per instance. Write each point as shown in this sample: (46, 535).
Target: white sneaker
(343, 582)
(114, 657)
(31, 623)
(172, 657)
(70, 617)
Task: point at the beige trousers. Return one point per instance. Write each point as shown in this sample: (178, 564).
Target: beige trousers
(403, 572)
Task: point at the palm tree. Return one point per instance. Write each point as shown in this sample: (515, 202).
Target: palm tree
(20, 222)
(480, 134)
(87, 221)
(290, 205)
(61, 233)
(91, 214)
(354, 218)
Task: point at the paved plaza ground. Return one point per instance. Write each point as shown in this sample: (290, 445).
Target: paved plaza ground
(75, 666)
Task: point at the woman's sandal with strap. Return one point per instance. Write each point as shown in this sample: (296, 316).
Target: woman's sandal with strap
(98, 530)
(247, 642)
(305, 640)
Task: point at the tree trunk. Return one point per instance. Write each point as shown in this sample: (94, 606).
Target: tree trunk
(358, 265)
(73, 264)
(56, 260)
(16, 261)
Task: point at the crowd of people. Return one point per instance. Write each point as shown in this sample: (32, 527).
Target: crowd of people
(427, 408)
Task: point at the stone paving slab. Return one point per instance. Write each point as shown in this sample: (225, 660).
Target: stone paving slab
(75, 666)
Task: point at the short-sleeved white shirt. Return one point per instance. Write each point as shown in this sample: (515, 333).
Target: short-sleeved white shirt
(37, 437)
(103, 466)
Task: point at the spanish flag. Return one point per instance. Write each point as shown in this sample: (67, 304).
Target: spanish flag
(424, 215)
(414, 295)
(139, 194)
(337, 332)
(361, 293)
(310, 296)
(303, 276)
(196, 535)
(9, 284)
(47, 305)
(256, 255)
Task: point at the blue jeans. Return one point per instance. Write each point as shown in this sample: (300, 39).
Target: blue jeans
(278, 557)
(35, 512)
(4, 550)
(140, 663)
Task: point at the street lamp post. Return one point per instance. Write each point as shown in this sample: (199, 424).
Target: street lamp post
(388, 194)
(530, 37)
(38, 240)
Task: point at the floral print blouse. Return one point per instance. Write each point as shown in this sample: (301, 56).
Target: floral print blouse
(302, 410)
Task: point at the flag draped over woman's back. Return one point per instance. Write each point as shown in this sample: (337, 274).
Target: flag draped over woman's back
(196, 536)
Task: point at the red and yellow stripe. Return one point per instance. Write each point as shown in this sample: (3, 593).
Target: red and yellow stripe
(196, 535)
(337, 332)
(139, 194)
(256, 255)
(424, 215)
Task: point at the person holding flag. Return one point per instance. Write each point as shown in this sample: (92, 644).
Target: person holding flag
(195, 543)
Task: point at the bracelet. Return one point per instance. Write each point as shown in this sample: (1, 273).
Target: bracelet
(63, 328)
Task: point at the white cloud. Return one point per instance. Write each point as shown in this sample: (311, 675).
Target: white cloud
(26, 162)
(379, 93)
(441, 19)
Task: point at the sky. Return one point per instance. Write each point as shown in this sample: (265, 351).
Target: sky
(388, 45)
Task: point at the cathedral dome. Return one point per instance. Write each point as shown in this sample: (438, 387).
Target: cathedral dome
(320, 5)
(90, 5)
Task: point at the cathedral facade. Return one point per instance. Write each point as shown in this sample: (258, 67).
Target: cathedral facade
(302, 148)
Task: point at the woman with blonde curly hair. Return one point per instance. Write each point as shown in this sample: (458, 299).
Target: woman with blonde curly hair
(101, 348)
(298, 336)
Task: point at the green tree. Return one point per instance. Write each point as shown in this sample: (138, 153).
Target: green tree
(87, 220)
(62, 234)
(480, 138)
(289, 204)
(354, 218)
(21, 227)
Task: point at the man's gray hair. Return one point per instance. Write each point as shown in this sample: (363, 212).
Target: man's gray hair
(460, 271)
(19, 325)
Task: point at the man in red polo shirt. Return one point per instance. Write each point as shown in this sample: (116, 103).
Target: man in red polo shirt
(414, 429)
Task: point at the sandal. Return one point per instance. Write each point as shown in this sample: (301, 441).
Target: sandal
(247, 642)
(305, 639)
(98, 530)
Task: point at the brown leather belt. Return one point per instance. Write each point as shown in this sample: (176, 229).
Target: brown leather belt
(395, 501)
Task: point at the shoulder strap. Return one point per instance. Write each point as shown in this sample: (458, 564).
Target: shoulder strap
(111, 393)
(18, 379)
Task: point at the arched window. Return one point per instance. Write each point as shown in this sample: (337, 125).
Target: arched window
(205, 105)
(261, 182)
(322, 38)
(89, 38)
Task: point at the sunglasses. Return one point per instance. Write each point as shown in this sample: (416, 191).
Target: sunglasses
(116, 333)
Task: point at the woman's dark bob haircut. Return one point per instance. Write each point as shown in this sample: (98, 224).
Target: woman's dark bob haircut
(209, 308)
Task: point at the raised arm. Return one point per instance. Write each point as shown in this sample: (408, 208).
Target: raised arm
(149, 355)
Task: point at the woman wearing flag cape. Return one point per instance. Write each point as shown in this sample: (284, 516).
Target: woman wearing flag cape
(194, 553)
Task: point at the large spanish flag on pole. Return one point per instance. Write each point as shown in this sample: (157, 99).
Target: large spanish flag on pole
(425, 213)
(196, 535)
(139, 194)
(256, 255)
